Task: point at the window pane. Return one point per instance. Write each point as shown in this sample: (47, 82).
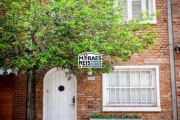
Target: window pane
(135, 96)
(122, 95)
(125, 96)
(128, 101)
(124, 79)
(125, 11)
(143, 96)
(114, 95)
(135, 78)
(150, 6)
(147, 4)
(117, 95)
(114, 79)
(146, 96)
(136, 8)
(145, 79)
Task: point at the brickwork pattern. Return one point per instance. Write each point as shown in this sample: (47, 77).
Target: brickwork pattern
(20, 91)
(39, 95)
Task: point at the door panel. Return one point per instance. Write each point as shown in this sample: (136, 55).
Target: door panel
(6, 97)
(59, 94)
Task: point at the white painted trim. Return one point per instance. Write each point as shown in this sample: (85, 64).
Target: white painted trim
(157, 86)
(143, 109)
(44, 88)
(75, 98)
(154, 21)
(117, 68)
(104, 89)
(129, 9)
(136, 67)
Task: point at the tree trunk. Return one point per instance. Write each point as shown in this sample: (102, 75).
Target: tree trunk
(31, 95)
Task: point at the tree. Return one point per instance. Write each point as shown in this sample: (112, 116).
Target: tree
(35, 34)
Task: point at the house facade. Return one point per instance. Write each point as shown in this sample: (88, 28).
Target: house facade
(142, 86)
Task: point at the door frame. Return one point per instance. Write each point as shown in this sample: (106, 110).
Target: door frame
(47, 75)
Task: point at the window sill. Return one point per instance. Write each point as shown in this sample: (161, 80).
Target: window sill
(152, 22)
(144, 109)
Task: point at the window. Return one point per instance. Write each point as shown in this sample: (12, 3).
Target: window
(131, 88)
(133, 8)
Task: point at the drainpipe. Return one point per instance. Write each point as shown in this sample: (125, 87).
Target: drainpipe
(172, 66)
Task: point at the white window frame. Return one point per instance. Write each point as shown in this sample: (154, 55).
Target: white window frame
(131, 108)
(143, 8)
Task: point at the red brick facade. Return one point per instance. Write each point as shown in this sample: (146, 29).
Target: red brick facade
(20, 85)
(89, 93)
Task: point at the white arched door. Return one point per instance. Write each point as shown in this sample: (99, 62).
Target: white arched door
(59, 96)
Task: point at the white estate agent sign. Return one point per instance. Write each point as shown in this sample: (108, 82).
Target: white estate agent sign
(89, 60)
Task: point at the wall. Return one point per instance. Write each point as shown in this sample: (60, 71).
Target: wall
(39, 95)
(20, 89)
(90, 92)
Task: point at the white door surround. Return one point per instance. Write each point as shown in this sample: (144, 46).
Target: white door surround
(58, 94)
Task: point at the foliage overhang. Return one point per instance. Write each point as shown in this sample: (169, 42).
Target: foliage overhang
(35, 34)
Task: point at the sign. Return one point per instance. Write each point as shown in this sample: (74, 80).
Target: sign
(90, 60)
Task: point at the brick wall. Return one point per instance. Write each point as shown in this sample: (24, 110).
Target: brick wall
(20, 85)
(89, 93)
(176, 36)
(39, 95)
